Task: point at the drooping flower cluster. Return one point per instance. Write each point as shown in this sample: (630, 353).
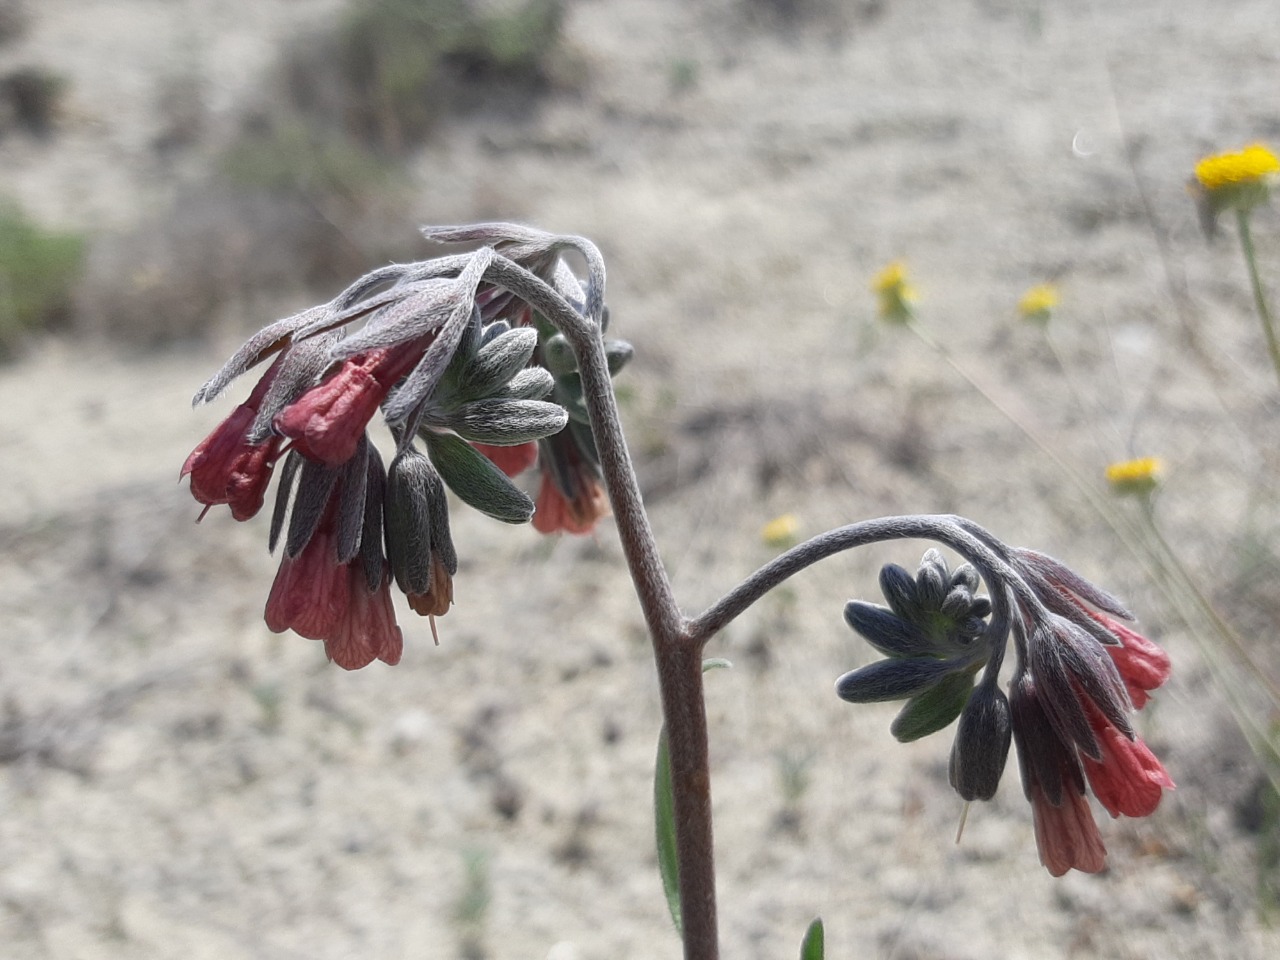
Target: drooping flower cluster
(456, 363)
(1080, 671)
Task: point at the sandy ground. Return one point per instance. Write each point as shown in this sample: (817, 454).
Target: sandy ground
(179, 782)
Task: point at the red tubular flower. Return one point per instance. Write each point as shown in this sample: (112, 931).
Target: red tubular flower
(327, 422)
(571, 497)
(226, 468)
(1128, 779)
(367, 630)
(311, 591)
(512, 461)
(554, 511)
(320, 598)
(1142, 664)
(1066, 834)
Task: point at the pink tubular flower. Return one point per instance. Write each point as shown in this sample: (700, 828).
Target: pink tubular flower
(512, 461)
(327, 422)
(1066, 835)
(226, 468)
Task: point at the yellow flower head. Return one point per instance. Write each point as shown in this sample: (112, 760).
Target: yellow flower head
(1233, 181)
(1132, 477)
(1253, 164)
(780, 531)
(894, 293)
(1038, 302)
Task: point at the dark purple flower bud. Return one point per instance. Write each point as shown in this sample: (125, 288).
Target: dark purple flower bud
(891, 635)
(1048, 765)
(932, 580)
(982, 744)
(893, 679)
(414, 490)
(899, 588)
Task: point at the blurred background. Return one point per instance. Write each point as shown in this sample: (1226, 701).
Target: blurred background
(177, 781)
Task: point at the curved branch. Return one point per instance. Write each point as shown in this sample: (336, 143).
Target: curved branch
(657, 600)
(978, 548)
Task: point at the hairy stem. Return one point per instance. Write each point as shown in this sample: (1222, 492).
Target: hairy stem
(679, 661)
(942, 529)
(683, 707)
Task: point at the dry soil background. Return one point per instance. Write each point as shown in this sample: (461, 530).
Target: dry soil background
(178, 782)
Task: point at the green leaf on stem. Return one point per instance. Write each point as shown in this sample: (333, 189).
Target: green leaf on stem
(813, 947)
(664, 815)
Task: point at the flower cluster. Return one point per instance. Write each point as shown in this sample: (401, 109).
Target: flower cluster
(458, 361)
(1080, 671)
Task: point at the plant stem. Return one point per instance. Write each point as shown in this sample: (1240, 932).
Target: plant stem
(683, 707)
(1259, 297)
(678, 658)
(942, 529)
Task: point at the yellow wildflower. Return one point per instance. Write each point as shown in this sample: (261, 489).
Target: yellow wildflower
(1233, 181)
(1252, 164)
(1139, 476)
(780, 531)
(1038, 302)
(894, 292)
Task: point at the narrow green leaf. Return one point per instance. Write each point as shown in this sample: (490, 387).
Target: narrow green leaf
(813, 947)
(716, 663)
(664, 815)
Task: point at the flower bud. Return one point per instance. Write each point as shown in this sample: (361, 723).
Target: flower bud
(892, 635)
(982, 744)
(893, 679)
(495, 363)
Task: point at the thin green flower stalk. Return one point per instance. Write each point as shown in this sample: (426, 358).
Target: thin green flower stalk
(1240, 182)
(1255, 281)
